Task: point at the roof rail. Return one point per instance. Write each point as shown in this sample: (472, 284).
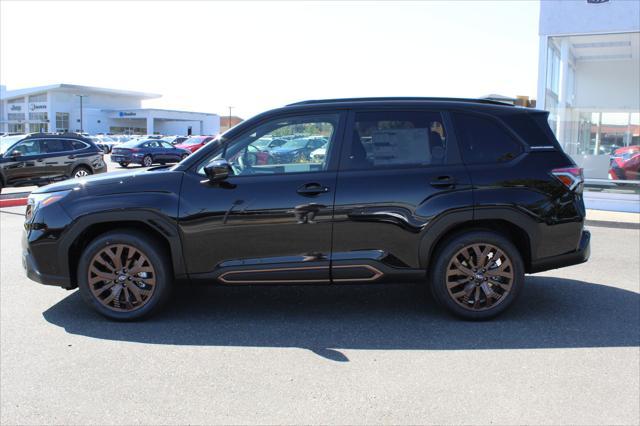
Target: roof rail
(409, 98)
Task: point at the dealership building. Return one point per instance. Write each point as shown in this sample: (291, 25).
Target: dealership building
(69, 107)
(589, 77)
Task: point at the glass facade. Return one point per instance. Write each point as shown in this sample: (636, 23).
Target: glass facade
(592, 93)
(62, 121)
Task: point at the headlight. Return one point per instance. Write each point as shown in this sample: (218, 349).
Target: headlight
(38, 200)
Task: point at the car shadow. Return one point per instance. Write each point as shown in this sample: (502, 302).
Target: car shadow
(550, 313)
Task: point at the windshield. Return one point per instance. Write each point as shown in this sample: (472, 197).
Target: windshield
(7, 142)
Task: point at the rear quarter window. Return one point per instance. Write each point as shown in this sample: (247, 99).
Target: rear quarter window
(484, 141)
(533, 128)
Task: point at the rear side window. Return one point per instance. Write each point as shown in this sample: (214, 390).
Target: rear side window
(395, 138)
(484, 141)
(51, 146)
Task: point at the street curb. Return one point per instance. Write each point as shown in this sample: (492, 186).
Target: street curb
(13, 202)
(609, 224)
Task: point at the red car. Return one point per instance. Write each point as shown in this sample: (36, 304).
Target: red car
(625, 163)
(194, 143)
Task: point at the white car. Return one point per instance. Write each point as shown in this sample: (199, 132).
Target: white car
(317, 155)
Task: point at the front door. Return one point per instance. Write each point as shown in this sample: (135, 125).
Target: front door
(399, 170)
(24, 164)
(270, 221)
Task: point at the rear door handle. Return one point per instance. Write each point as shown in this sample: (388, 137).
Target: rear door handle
(443, 182)
(71, 157)
(311, 189)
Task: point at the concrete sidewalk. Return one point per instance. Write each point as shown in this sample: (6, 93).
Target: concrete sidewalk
(613, 219)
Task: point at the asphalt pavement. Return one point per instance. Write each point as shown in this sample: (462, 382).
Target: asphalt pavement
(568, 352)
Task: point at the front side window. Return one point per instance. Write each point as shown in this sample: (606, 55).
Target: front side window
(484, 141)
(285, 145)
(395, 138)
(28, 147)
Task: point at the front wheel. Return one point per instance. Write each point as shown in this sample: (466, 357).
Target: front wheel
(124, 275)
(123, 164)
(477, 275)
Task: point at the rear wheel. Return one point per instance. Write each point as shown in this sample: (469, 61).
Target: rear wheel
(147, 161)
(124, 275)
(81, 171)
(477, 275)
(123, 164)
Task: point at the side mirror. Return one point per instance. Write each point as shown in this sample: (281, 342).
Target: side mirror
(217, 170)
(16, 154)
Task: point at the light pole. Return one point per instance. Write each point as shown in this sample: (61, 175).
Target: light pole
(229, 122)
(81, 123)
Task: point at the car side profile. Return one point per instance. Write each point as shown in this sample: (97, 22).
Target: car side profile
(147, 152)
(462, 196)
(39, 159)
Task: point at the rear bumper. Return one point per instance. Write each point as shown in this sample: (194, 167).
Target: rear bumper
(125, 159)
(572, 258)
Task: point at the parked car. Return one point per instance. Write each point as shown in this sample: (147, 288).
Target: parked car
(175, 140)
(39, 159)
(625, 163)
(194, 143)
(147, 152)
(465, 216)
(105, 143)
(297, 150)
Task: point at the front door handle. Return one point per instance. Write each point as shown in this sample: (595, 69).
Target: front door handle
(71, 157)
(443, 182)
(311, 189)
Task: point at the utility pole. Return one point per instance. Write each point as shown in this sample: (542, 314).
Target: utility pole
(229, 123)
(81, 123)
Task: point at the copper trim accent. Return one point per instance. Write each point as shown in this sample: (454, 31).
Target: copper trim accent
(221, 277)
(376, 274)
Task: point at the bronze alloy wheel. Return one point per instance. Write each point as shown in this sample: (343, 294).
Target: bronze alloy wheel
(479, 277)
(121, 277)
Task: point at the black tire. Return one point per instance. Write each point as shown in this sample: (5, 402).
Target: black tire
(158, 259)
(81, 171)
(441, 263)
(123, 164)
(147, 161)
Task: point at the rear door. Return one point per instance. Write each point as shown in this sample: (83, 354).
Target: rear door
(400, 169)
(54, 155)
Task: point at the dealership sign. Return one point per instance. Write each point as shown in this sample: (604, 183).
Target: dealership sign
(37, 106)
(126, 114)
(15, 107)
(597, 1)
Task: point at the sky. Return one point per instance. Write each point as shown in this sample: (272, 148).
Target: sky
(205, 56)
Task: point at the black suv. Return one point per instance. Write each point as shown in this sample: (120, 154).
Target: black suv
(42, 158)
(464, 195)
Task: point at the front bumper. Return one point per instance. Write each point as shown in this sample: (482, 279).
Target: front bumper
(572, 258)
(34, 273)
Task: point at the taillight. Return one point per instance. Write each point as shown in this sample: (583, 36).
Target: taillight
(571, 177)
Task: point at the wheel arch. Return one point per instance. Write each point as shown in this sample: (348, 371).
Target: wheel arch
(521, 232)
(151, 224)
